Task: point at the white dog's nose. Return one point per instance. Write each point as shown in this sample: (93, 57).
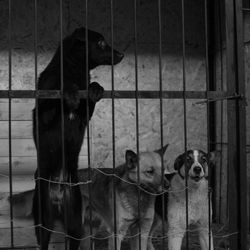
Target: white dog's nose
(197, 170)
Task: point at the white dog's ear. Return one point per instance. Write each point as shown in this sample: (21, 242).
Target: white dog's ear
(162, 150)
(214, 156)
(131, 159)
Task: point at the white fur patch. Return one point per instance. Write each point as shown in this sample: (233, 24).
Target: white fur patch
(196, 154)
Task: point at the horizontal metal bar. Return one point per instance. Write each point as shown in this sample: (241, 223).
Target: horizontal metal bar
(19, 247)
(120, 94)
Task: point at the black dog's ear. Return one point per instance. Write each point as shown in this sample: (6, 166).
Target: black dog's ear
(131, 159)
(80, 34)
(162, 150)
(178, 162)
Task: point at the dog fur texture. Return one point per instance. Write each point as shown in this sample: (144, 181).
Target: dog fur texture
(125, 186)
(196, 170)
(58, 201)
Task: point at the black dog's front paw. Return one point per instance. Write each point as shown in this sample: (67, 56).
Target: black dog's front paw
(95, 92)
(71, 97)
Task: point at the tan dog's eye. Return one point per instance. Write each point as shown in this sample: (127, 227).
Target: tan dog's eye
(102, 44)
(150, 170)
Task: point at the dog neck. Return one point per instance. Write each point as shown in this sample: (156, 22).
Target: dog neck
(178, 186)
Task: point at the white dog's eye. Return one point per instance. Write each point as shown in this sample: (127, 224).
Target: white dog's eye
(204, 160)
(102, 44)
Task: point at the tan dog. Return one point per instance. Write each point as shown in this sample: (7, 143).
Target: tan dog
(126, 197)
(198, 201)
(126, 192)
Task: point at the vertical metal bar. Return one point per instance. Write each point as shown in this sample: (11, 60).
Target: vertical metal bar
(241, 129)
(62, 117)
(113, 116)
(185, 117)
(137, 116)
(208, 119)
(230, 55)
(161, 117)
(222, 105)
(38, 181)
(10, 136)
(88, 132)
(210, 12)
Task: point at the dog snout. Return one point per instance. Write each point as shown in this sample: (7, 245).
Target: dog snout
(120, 55)
(197, 170)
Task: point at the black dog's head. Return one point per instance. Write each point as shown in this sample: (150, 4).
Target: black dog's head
(99, 52)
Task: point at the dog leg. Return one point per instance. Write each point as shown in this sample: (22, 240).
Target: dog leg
(74, 216)
(136, 241)
(204, 239)
(157, 222)
(118, 239)
(43, 233)
(175, 237)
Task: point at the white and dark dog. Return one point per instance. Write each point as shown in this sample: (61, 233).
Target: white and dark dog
(192, 169)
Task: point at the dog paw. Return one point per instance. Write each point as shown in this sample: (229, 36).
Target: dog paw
(72, 97)
(95, 92)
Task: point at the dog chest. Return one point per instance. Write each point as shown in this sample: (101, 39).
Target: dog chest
(197, 206)
(130, 205)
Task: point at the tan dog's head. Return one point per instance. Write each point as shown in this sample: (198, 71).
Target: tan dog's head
(146, 169)
(196, 164)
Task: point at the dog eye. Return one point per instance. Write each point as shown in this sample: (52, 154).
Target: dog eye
(204, 160)
(102, 44)
(150, 171)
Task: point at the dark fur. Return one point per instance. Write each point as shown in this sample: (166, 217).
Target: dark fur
(55, 199)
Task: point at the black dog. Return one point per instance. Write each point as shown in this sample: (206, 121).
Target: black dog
(60, 201)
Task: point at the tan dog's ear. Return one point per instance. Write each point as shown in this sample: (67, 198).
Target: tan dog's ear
(214, 156)
(162, 150)
(131, 159)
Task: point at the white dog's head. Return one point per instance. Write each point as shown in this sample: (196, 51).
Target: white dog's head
(194, 164)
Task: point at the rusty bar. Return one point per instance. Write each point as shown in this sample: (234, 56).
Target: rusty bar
(9, 123)
(137, 116)
(161, 120)
(185, 114)
(113, 117)
(88, 131)
(209, 65)
(62, 116)
(124, 94)
(241, 130)
(37, 120)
